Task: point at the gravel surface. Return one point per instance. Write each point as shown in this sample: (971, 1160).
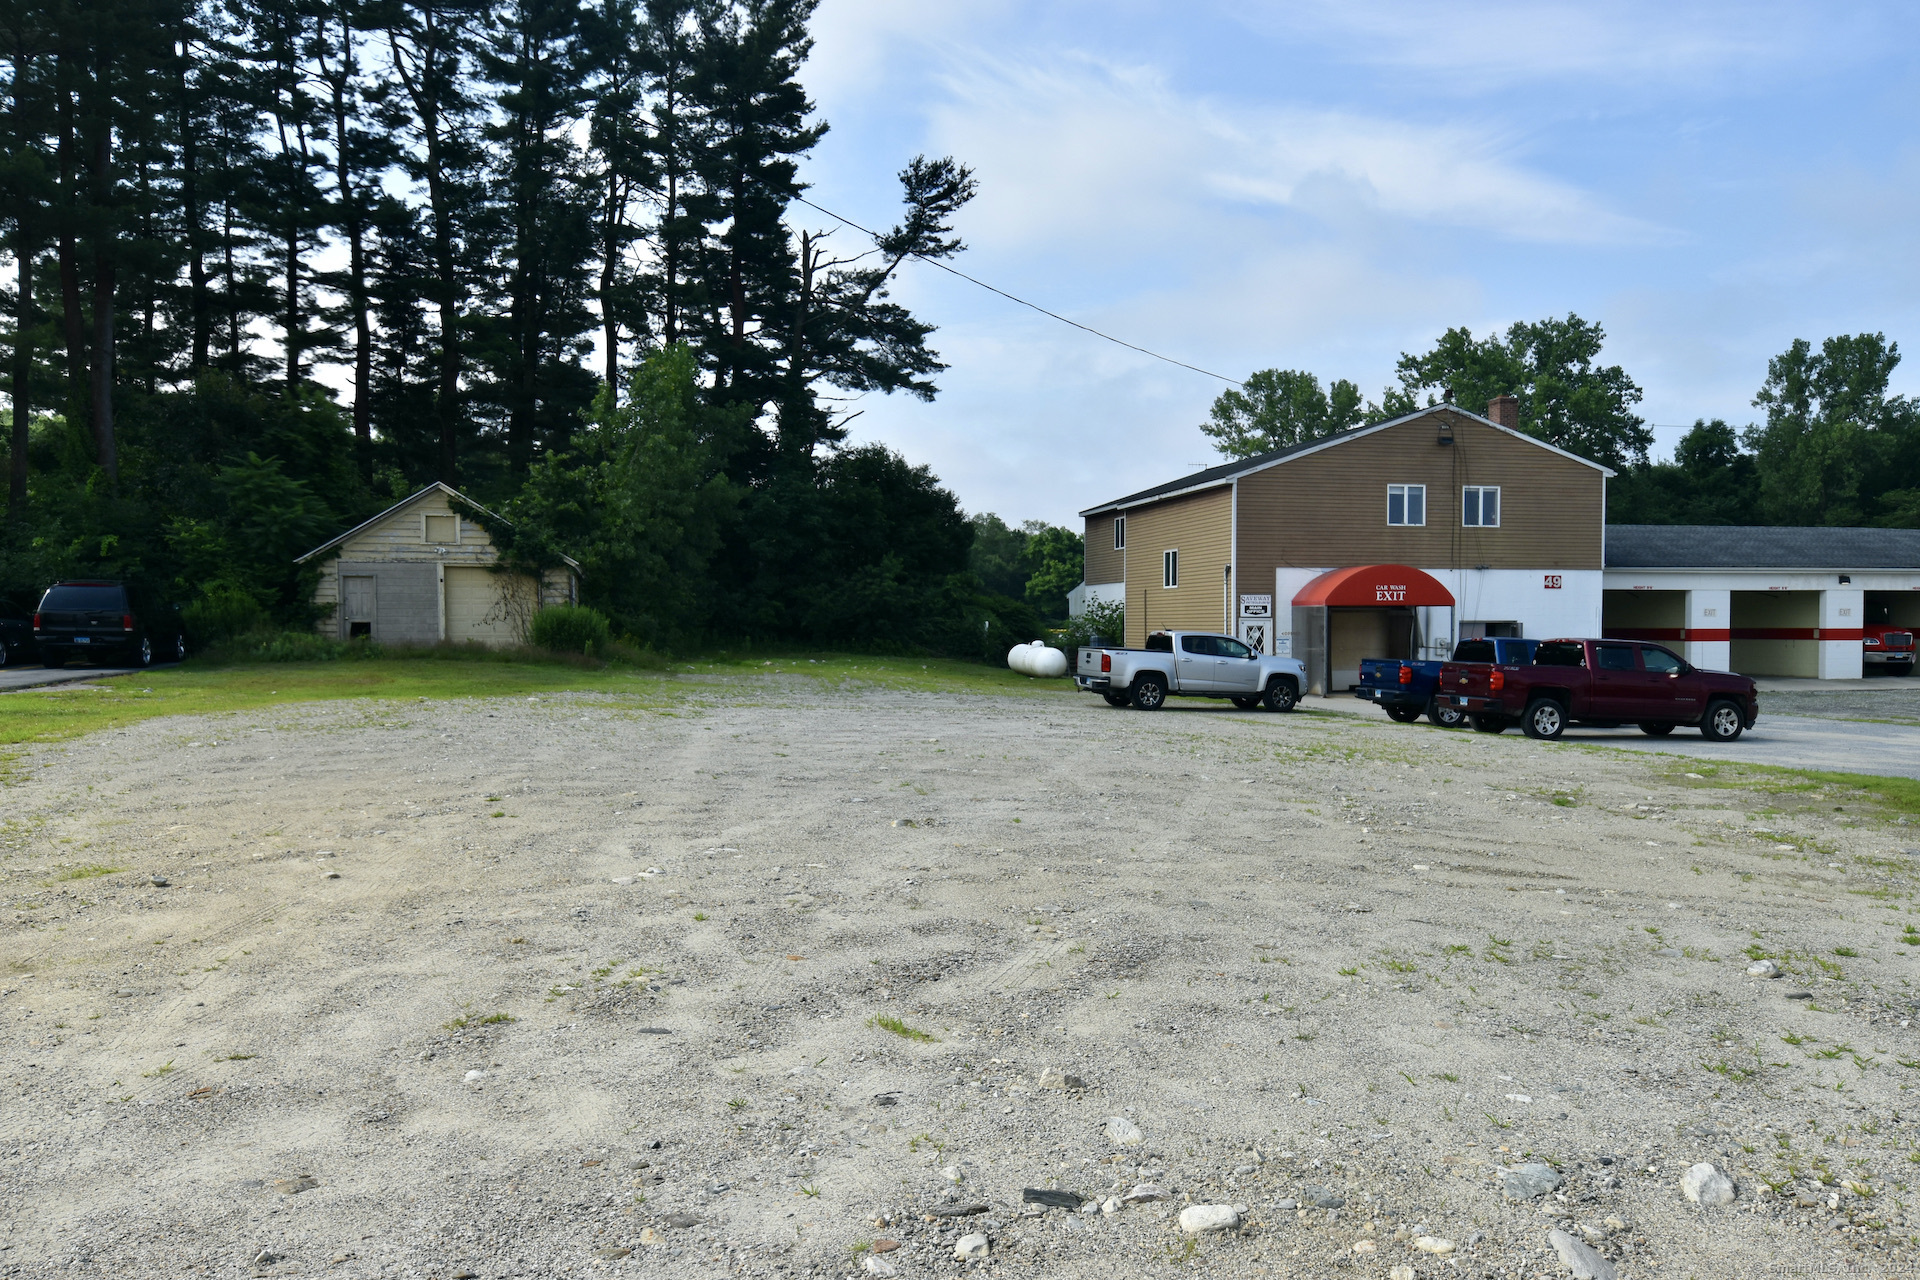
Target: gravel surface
(1877, 698)
(764, 981)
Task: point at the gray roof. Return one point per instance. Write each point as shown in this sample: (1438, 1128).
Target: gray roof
(1745, 546)
(1228, 471)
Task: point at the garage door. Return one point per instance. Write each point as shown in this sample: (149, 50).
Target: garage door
(492, 608)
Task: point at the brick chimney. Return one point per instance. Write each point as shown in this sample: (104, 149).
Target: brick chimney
(1505, 410)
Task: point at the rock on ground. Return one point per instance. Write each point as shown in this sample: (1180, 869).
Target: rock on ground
(1705, 1185)
(1529, 1181)
(1580, 1257)
(1202, 1219)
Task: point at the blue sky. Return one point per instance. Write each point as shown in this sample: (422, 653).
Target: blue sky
(1325, 185)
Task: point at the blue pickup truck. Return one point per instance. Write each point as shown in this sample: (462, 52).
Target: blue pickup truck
(1405, 688)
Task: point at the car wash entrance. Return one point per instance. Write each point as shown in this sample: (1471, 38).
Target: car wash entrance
(1374, 611)
(1776, 633)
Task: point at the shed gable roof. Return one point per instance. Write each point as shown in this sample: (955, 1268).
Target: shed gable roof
(1228, 472)
(437, 486)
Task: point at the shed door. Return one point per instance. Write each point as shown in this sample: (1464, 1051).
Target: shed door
(492, 608)
(356, 608)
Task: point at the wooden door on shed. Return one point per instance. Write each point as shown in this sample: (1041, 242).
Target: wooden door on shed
(492, 608)
(356, 605)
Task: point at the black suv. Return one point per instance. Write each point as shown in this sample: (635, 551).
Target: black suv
(16, 634)
(106, 622)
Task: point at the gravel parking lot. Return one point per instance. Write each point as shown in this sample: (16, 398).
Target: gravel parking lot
(789, 980)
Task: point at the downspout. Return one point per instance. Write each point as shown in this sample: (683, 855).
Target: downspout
(1233, 560)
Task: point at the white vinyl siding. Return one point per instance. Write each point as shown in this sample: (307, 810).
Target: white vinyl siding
(1407, 504)
(1480, 506)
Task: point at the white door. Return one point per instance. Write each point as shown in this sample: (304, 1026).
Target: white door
(492, 608)
(356, 605)
(1254, 632)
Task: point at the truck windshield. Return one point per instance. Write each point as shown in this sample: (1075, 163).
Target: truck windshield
(1563, 653)
(82, 600)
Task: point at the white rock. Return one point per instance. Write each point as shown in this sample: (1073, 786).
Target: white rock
(973, 1246)
(1111, 1205)
(1200, 1219)
(1365, 1247)
(1434, 1245)
(1704, 1184)
(473, 1077)
(1400, 1272)
(1580, 1258)
(1053, 1078)
(1763, 969)
(1124, 1132)
(952, 1174)
(878, 1266)
(1142, 1193)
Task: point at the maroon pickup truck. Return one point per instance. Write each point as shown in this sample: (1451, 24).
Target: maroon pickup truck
(1602, 683)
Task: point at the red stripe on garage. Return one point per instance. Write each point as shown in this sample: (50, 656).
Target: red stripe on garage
(1797, 633)
(1709, 633)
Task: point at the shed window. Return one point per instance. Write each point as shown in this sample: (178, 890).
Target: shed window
(1170, 569)
(1407, 504)
(1119, 533)
(1480, 506)
(443, 530)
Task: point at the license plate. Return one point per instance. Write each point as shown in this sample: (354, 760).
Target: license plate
(83, 639)
(1459, 702)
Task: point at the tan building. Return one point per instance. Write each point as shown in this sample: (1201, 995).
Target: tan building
(422, 571)
(1460, 525)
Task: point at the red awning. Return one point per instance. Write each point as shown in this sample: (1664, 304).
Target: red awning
(1374, 585)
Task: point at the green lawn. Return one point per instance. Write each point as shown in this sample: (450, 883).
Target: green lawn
(59, 712)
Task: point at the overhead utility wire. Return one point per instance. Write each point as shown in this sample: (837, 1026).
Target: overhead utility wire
(935, 262)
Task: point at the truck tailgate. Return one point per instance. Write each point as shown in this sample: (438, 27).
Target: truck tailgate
(1465, 680)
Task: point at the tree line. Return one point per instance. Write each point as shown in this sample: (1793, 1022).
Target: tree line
(1834, 446)
(275, 263)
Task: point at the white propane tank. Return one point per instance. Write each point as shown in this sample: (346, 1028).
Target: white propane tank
(1037, 659)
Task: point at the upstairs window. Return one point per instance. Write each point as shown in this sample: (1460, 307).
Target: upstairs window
(1407, 504)
(1119, 533)
(1170, 569)
(441, 530)
(1480, 506)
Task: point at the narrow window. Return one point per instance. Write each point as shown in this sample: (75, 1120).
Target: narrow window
(1480, 506)
(1407, 504)
(1170, 568)
(1119, 533)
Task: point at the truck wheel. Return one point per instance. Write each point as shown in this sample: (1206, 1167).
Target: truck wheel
(1281, 694)
(1489, 724)
(1902, 668)
(1722, 723)
(1403, 715)
(1244, 701)
(1445, 714)
(1149, 692)
(1654, 729)
(1116, 699)
(1544, 719)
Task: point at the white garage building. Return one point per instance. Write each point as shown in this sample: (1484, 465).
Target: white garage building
(1761, 600)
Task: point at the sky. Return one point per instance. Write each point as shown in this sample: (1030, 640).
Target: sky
(1324, 186)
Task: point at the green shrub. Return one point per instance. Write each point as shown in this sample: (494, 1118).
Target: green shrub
(571, 628)
(222, 612)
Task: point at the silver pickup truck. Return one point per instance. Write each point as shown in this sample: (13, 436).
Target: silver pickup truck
(1190, 664)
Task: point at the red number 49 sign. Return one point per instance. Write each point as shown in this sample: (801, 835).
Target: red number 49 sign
(1553, 582)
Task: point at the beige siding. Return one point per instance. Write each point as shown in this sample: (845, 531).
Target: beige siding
(441, 589)
(1198, 526)
(1330, 507)
(1104, 563)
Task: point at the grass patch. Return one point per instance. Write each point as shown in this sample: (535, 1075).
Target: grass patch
(87, 872)
(492, 1019)
(203, 686)
(887, 1022)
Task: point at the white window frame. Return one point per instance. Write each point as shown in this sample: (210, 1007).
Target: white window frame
(1120, 532)
(1403, 492)
(1480, 492)
(440, 515)
(1170, 568)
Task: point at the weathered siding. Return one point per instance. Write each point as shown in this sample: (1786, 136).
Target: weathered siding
(1330, 507)
(1199, 526)
(1104, 563)
(409, 573)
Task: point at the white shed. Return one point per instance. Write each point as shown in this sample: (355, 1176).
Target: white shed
(422, 572)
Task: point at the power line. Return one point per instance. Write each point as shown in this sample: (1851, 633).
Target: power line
(1023, 302)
